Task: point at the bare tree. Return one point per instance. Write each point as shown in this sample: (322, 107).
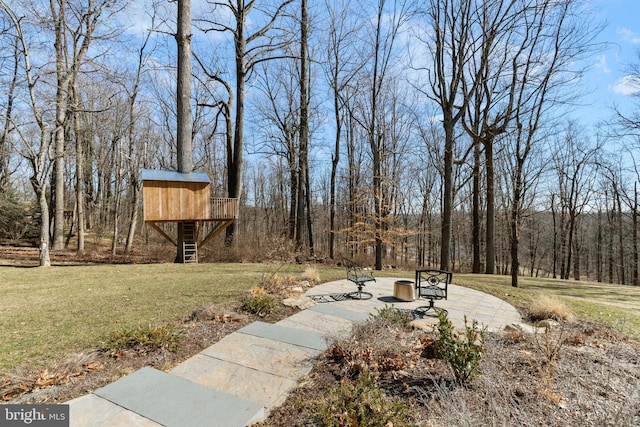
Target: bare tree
(341, 68)
(249, 51)
(7, 129)
(450, 44)
(278, 114)
(37, 143)
(389, 21)
(304, 198)
(576, 163)
(74, 26)
(491, 104)
(134, 155)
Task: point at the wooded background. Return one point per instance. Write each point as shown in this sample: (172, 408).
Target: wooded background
(437, 132)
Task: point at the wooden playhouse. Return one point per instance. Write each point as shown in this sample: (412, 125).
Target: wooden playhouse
(185, 199)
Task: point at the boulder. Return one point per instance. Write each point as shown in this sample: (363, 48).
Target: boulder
(302, 302)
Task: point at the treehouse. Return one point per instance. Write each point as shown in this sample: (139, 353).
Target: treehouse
(185, 199)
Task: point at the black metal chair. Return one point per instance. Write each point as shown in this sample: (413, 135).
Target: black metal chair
(431, 285)
(360, 277)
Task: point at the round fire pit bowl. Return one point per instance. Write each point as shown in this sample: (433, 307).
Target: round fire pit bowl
(403, 290)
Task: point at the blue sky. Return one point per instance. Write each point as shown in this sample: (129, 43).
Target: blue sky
(608, 77)
(606, 82)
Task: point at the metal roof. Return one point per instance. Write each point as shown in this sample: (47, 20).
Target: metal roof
(173, 176)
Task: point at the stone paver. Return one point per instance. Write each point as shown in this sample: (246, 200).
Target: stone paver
(331, 327)
(289, 335)
(173, 401)
(247, 383)
(262, 354)
(91, 410)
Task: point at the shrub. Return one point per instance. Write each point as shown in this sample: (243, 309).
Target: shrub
(360, 403)
(277, 285)
(549, 346)
(144, 339)
(17, 220)
(311, 275)
(394, 316)
(379, 345)
(462, 352)
(259, 302)
(548, 307)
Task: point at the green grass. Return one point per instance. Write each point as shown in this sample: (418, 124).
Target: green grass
(616, 306)
(49, 313)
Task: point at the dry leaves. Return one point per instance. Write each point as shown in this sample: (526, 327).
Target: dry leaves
(11, 388)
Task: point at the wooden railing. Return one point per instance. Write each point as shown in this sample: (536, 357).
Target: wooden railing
(224, 208)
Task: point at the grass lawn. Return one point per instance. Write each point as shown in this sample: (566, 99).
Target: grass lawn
(616, 306)
(48, 313)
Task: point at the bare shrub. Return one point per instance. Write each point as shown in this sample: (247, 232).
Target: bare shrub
(377, 346)
(548, 307)
(549, 346)
(311, 275)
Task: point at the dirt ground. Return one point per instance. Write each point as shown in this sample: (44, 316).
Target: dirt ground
(573, 375)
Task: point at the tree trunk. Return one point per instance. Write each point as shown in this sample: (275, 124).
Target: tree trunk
(184, 125)
(475, 229)
(447, 197)
(135, 201)
(515, 224)
(184, 120)
(569, 247)
(80, 165)
(117, 154)
(634, 213)
(293, 202)
(234, 157)
(309, 216)
(599, 246)
(490, 239)
(43, 252)
(555, 238)
(335, 160)
(304, 133)
(62, 94)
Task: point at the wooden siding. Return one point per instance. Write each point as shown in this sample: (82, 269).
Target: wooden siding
(176, 201)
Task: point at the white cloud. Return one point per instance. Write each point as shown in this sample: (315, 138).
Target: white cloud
(602, 64)
(628, 35)
(628, 85)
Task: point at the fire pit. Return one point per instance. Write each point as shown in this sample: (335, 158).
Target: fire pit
(403, 290)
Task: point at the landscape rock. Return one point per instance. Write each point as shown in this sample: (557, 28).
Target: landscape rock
(426, 324)
(296, 290)
(521, 328)
(301, 302)
(212, 312)
(547, 323)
